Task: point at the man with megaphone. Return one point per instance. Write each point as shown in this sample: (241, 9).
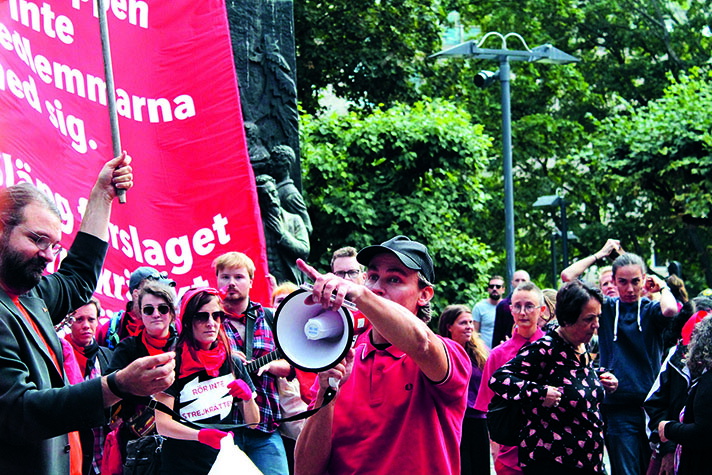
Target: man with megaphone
(399, 391)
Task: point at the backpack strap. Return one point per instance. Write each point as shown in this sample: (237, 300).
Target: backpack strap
(250, 318)
(112, 335)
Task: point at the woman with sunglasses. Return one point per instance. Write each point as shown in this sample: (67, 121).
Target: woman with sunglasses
(156, 302)
(211, 385)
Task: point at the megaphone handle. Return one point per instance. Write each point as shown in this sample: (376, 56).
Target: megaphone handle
(328, 396)
(334, 383)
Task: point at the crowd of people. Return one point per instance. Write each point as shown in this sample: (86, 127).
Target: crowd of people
(617, 365)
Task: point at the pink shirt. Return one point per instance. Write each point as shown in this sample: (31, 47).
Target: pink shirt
(390, 418)
(498, 357)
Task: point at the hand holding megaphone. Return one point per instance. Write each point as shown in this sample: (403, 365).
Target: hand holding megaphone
(336, 376)
(329, 290)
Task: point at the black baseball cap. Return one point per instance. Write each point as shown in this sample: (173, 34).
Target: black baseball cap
(412, 254)
(148, 273)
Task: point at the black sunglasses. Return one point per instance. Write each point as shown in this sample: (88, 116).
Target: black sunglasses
(494, 286)
(163, 309)
(204, 316)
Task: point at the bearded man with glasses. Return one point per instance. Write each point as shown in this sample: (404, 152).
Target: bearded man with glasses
(37, 409)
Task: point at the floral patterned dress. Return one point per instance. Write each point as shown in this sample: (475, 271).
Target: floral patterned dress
(570, 435)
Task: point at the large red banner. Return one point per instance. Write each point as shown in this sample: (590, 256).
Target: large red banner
(179, 114)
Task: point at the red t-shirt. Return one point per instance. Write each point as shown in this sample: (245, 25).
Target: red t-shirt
(388, 413)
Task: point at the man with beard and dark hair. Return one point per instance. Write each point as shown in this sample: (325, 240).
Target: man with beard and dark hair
(483, 312)
(37, 408)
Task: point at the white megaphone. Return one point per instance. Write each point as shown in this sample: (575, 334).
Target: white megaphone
(309, 336)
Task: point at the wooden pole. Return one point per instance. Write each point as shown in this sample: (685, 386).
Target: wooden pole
(110, 89)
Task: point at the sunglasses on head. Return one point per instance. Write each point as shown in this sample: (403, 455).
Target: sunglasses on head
(494, 286)
(204, 316)
(163, 309)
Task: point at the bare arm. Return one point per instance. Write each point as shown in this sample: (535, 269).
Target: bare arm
(398, 325)
(579, 267)
(250, 411)
(170, 428)
(279, 368)
(401, 328)
(116, 173)
(668, 304)
(313, 449)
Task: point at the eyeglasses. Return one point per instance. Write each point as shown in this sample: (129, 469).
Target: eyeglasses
(43, 242)
(347, 274)
(494, 286)
(528, 308)
(163, 309)
(203, 317)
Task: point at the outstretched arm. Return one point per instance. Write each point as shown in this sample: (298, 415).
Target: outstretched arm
(579, 267)
(398, 325)
(143, 377)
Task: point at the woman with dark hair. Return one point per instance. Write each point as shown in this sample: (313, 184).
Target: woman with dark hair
(456, 323)
(560, 390)
(694, 433)
(211, 384)
(156, 302)
(677, 287)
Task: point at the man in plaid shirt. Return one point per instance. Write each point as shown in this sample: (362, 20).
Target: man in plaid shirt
(262, 444)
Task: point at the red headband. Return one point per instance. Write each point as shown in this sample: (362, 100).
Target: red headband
(190, 293)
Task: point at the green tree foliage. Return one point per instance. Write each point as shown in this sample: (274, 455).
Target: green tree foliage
(370, 51)
(658, 159)
(415, 170)
(631, 50)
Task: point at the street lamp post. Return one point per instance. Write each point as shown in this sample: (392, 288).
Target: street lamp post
(566, 236)
(542, 54)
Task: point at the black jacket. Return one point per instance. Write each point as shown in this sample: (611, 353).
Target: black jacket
(37, 410)
(667, 396)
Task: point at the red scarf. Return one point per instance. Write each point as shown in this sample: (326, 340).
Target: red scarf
(195, 360)
(154, 345)
(133, 328)
(78, 353)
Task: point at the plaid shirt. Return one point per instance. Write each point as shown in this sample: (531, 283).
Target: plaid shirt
(267, 395)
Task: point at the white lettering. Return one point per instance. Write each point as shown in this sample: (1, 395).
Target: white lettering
(42, 19)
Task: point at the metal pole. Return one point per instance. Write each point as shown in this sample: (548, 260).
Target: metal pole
(504, 78)
(110, 89)
(553, 260)
(564, 234)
